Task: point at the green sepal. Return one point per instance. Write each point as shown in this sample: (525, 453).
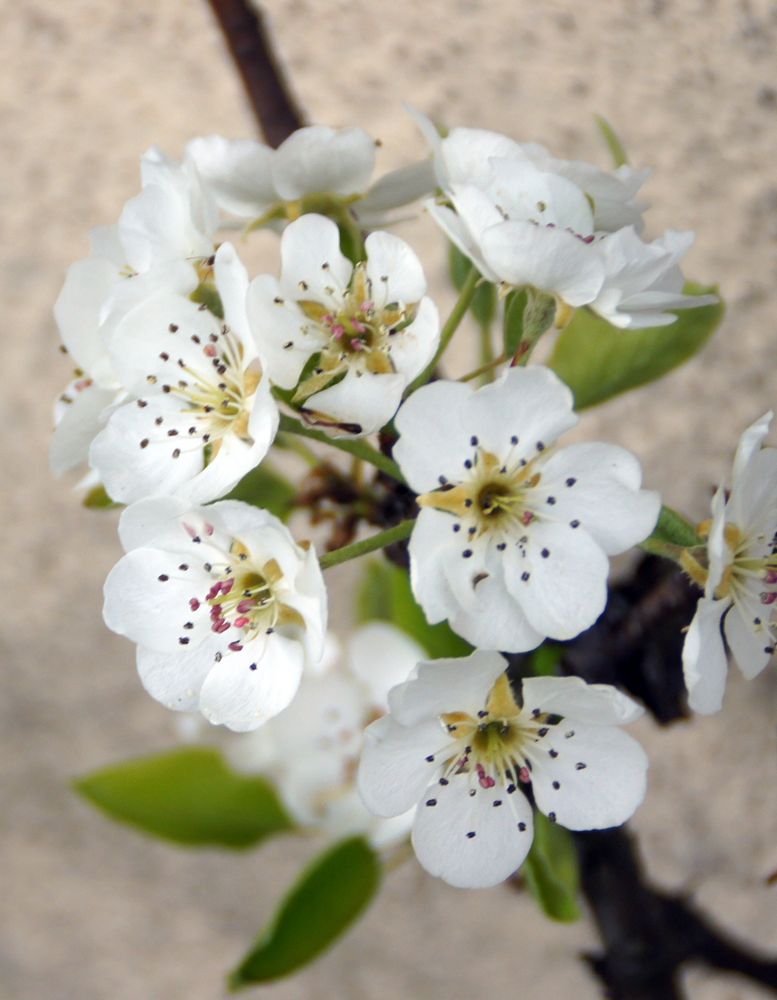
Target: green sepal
(552, 871)
(205, 294)
(264, 487)
(612, 141)
(512, 326)
(598, 361)
(385, 595)
(189, 796)
(674, 529)
(483, 306)
(97, 499)
(319, 908)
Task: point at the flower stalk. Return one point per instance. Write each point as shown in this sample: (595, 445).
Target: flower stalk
(379, 541)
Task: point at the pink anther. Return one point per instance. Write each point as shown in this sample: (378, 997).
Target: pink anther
(241, 622)
(771, 576)
(524, 776)
(356, 345)
(210, 350)
(209, 529)
(767, 598)
(367, 306)
(235, 647)
(527, 517)
(194, 604)
(484, 780)
(220, 626)
(244, 606)
(337, 330)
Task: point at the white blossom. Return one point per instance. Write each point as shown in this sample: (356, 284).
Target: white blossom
(200, 414)
(740, 581)
(161, 244)
(512, 541)
(251, 180)
(226, 609)
(565, 228)
(457, 745)
(311, 750)
(371, 327)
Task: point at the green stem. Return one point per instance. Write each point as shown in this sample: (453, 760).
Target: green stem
(483, 369)
(290, 443)
(538, 317)
(486, 352)
(458, 313)
(354, 446)
(371, 544)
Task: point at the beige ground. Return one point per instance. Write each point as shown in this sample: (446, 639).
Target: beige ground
(94, 912)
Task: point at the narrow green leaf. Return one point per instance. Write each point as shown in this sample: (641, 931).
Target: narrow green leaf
(266, 488)
(598, 361)
(98, 499)
(675, 529)
(483, 305)
(189, 796)
(515, 309)
(610, 136)
(385, 595)
(319, 908)
(551, 870)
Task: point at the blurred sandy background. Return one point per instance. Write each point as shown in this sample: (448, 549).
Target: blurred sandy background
(96, 912)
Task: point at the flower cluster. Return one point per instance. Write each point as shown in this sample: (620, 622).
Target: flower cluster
(187, 369)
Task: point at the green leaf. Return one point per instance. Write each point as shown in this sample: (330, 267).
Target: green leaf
(385, 595)
(551, 870)
(598, 361)
(545, 660)
(483, 306)
(97, 499)
(266, 488)
(515, 308)
(323, 903)
(615, 146)
(189, 796)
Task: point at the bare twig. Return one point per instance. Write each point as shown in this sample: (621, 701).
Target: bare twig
(649, 935)
(274, 107)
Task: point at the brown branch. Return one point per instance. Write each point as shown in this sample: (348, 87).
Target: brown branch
(649, 935)
(274, 107)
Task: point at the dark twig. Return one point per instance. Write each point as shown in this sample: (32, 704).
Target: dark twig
(276, 111)
(650, 935)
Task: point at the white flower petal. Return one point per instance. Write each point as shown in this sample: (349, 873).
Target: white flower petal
(413, 348)
(232, 285)
(284, 337)
(394, 270)
(249, 687)
(563, 592)
(399, 187)
(237, 171)
(471, 840)
(598, 484)
(381, 656)
(704, 658)
(595, 780)
(318, 159)
(531, 404)
(132, 470)
(430, 443)
(155, 519)
(80, 422)
(361, 402)
(495, 620)
(147, 598)
(747, 637)
(394, 768)
(312, 264)
(552, 260)
(175, 679)
(78, 310)
(429, 547)
(459, 233)
(447, 685)
(572, 698)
